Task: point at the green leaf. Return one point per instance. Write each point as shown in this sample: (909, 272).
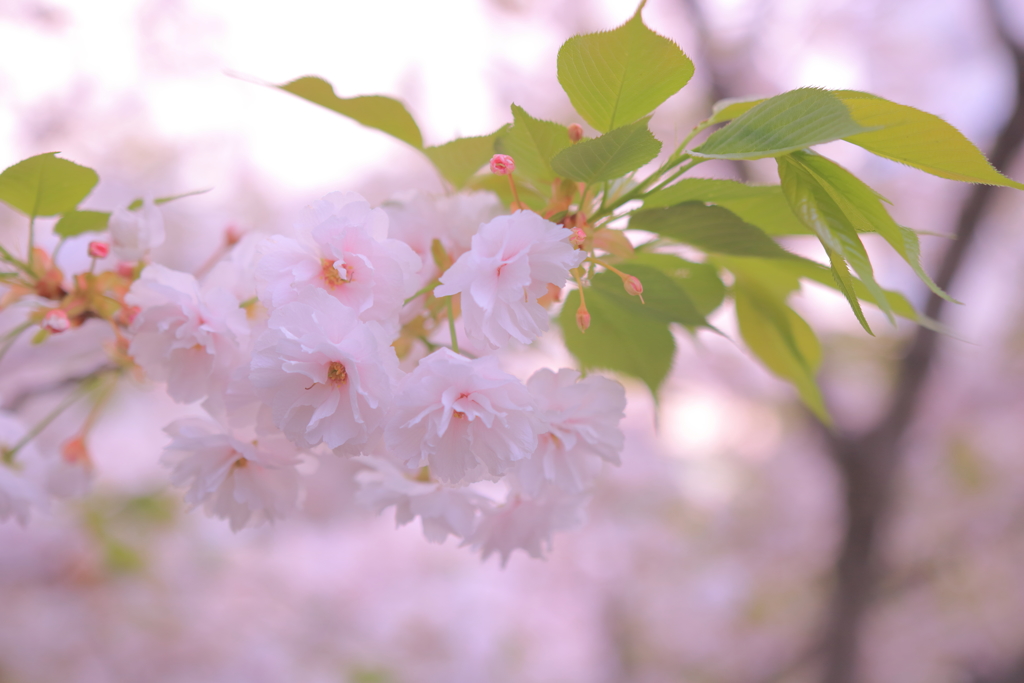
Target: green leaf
(459, 159)
(816, 208)
(865, 211)
(919, 139)
(783, 341)
(375, 111)
(44, 185)
(844, 283)
(619, 338)
(663, 299)
(709, 228)
(784, 123)
(615, 77)
(137, 203)
(77, 222)
(732, 107)
(700, 281)
(609, 156)
(533, 143)
(762, 205)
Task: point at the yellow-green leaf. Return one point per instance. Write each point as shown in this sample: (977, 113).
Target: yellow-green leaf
(45, 185)
(615, 77)
(609, 156)
(375, 111)
(919, 139)
(459, 159)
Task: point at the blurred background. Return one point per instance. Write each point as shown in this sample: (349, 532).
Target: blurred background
(738, 543)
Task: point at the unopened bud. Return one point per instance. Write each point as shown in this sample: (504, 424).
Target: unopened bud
(56, 321)
(126, 269)
(233, 235)
(633, 286)
(577, 238)
(98, 249)
(582, 318)
(575, 132)
(502, 164)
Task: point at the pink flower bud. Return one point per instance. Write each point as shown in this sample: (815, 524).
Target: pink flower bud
(502, 164)
(575, 132)
(56, 321)
(126, 269)
(577, 238)
(233, 235)
(582, 318)
(98, 249)
(632, 285)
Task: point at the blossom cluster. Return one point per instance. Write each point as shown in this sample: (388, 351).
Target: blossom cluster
(339, 341)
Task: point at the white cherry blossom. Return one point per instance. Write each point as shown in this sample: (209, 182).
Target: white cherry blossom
(326, 375)
(465, 419)
(512, 261)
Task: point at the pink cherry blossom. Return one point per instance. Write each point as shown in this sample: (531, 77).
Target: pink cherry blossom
(248, 482)
(326, 375)
(512, 261)
(526, 524)
(342, 249)
(580, 430)
(56, 321)
(20, 490)
(441, 510)
(188, 337)
(465, 419)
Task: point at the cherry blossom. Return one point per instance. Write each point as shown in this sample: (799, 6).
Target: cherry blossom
(134, 233)
(247, 482)
(465, 419)
(581, 429)
(188, 337)
(326, 375)
(342, 249)
(526, 524)
(512, 261)
(442, 510)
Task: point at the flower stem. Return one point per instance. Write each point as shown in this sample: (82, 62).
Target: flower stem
(451, 325)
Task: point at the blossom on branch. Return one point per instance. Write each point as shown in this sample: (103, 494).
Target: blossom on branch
(465, 419)
(134, 233)
(512, 261)
(326, 375)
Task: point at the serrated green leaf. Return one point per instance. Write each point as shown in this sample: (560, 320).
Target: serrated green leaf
(762, 205)
(619, 338)
(782, 340)
(844, 283)
(712, 229)
(700, 281)
(919, 139)
(663, 298)
(816, 208)
(615, 77)
(77, 222)
(375, 111)
(865, 211)
(459, 159)
(533, 143)
(609, 156)
(44, 185)
(784, 123)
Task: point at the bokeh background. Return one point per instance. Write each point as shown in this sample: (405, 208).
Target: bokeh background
(738, 543)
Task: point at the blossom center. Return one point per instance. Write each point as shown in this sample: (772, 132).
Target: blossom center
(336, 373)
(331, 275)
(456, 413)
